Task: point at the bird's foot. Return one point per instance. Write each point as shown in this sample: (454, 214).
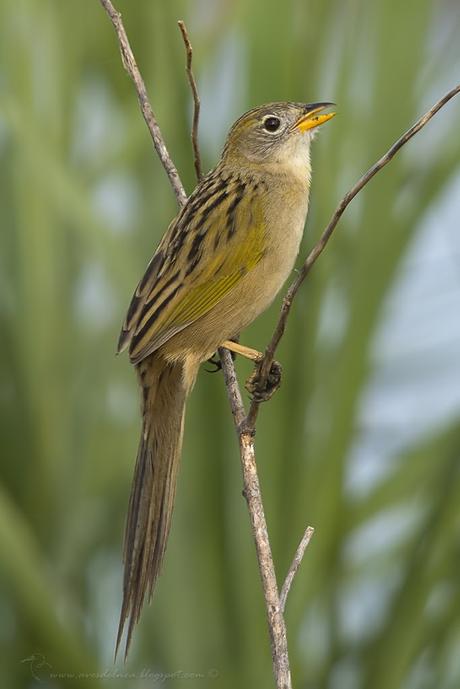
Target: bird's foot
(263, 391)
(215, 361)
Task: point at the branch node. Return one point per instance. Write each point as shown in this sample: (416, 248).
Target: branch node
(245, 429)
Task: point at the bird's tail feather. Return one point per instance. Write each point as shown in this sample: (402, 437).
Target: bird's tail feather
(164, 394)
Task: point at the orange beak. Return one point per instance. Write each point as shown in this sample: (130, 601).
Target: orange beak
(312, 119)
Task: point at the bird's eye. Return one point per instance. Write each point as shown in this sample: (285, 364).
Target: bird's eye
(272, 123)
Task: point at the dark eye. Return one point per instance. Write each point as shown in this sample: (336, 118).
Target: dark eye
(272, 123)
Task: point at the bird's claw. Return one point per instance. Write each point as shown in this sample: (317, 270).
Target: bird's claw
(215, 361)
(263, 392)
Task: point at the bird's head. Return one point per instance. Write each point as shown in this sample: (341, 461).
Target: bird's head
(276, 134)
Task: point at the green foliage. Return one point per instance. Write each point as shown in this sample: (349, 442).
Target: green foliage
(84, 201)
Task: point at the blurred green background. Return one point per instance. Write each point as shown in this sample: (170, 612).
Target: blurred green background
(363, 439)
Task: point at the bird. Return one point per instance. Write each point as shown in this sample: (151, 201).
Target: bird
(220, 264)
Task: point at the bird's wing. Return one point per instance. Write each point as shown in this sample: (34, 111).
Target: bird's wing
(217, 238)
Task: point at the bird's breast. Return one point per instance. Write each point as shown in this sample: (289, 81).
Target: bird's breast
(285, 220)
(284, 223)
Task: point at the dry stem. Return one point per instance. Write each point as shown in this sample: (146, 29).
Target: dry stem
(296, 562)
(196, 99)
(276, 624)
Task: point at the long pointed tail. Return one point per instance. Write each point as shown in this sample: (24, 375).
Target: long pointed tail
(164, 394)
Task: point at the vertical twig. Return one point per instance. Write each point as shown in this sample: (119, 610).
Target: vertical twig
(276, 624)
(196, 99)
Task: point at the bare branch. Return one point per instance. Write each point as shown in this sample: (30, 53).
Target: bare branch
(253, 497)
(321, 244)
(233, 389)
(196, 99)
(296, 562)
(131, 67)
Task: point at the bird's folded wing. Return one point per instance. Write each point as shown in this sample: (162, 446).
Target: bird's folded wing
(213, 257)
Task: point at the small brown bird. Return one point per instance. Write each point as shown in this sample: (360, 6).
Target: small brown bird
(220, 264)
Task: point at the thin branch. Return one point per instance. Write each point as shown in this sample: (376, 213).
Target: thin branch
(296, 562)
(276, 624)
(233, 389)
(196, 99)
(129, 63)
(321, 244)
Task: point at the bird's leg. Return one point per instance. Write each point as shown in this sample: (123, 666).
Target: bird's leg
(247, 352)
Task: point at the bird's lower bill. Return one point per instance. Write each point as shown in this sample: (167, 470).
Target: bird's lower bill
(313, 119)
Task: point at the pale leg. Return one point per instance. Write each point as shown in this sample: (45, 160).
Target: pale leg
(247, 352)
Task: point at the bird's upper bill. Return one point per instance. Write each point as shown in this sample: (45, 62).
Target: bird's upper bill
(312, 118)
